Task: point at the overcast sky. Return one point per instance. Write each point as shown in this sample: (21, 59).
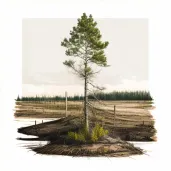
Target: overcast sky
(43, 72)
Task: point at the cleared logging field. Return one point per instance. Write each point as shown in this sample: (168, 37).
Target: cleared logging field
(128, 113)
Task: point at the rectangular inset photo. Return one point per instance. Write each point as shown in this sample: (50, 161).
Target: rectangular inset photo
(85, 87)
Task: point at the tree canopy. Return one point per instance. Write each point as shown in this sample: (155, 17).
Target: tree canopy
(86, 45)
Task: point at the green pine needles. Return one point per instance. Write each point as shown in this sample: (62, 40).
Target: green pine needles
(98, 132)
(86, 45)
(84, 136)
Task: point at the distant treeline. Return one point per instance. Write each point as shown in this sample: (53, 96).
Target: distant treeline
(123, 95)
(116, 95)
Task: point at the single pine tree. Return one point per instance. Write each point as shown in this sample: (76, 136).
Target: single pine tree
(87, 48)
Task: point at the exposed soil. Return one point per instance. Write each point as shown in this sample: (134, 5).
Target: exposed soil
(132, 122)
(56, 133)
(109, 147)
(50, 130)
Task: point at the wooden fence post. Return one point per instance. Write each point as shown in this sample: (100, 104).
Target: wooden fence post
(66, 104)
(114, 116)
(35, 122)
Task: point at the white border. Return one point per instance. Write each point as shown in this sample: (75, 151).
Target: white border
(10, 76)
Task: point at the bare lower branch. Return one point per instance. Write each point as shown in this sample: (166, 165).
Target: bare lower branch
(97, 87)
(70, 64)
(96, 98)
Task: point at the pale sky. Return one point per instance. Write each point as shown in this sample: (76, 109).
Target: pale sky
(43, 72)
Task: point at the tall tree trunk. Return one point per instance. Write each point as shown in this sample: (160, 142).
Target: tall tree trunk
(86, 100)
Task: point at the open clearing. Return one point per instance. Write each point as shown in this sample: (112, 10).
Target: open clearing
(127, 113)
(132, 120)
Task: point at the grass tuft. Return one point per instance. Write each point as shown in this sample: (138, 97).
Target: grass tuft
(84, 136)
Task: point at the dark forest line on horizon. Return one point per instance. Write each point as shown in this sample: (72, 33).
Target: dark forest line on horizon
(115, 95)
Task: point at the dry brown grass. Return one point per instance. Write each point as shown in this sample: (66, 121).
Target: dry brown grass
(129, 113)
(117, 149)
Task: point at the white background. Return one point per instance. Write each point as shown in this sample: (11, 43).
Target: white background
(11, 14)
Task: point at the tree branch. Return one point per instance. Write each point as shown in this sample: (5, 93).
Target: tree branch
(97, 98)
(70, 64)
(97, 87)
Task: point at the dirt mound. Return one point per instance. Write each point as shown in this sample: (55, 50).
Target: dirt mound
(107, 147)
